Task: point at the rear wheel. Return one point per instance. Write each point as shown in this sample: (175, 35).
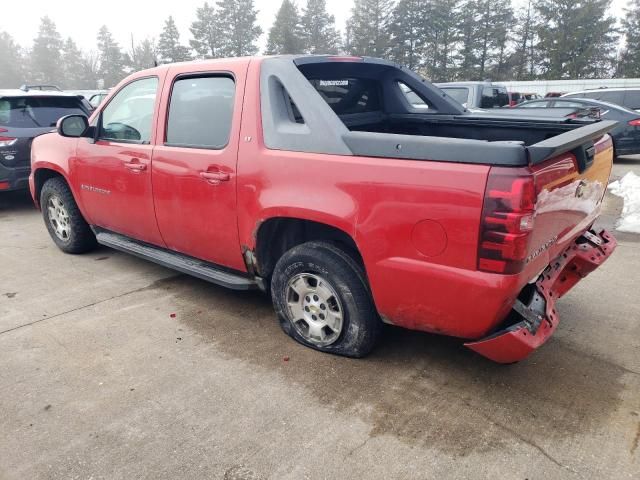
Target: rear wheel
(66, 225)
(323, 301)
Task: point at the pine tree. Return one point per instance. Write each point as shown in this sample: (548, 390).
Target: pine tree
(320, 35)
(205, 30)
(408, 31)
(630, 58)
(169, 48)
(13, 64)
(285, 35)
(46, 54)
(72, 65)
(90, 69)
(442, 39)
(238, 29)
(369, 28)
(524, 37)
(143, 55)
(577, 38)
(484, 37)
(110, 57)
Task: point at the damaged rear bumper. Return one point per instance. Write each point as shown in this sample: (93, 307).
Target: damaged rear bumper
(534, 318)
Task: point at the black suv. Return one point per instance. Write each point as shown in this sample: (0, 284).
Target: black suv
(25, 114)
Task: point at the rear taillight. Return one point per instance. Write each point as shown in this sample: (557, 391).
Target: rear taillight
(508, 215)
(6, 141)
(635, 123)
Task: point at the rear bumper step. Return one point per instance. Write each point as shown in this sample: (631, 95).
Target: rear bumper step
(538, 319)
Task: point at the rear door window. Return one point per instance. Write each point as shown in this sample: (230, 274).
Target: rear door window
(36, 111)
(201, 112)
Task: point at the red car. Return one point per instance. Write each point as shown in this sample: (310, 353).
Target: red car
(347, 187)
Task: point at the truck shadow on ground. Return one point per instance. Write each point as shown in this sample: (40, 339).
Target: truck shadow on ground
(424, 389)
(15, 201)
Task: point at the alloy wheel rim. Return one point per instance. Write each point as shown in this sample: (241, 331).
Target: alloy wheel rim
(59, 218)
(314, 309)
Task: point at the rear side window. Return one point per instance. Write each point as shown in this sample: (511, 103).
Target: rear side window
(490, 98)
(37, 112)
(459, 94)
(200, 112)
(349, 95)
(415, 100)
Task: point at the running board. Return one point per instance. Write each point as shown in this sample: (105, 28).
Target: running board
(176, 261)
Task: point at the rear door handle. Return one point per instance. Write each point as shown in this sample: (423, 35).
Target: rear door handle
(135, 165)
(214, 178)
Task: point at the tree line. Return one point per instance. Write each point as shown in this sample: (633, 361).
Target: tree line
(443, 40)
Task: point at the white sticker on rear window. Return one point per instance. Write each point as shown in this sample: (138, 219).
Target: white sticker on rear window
(334, 83)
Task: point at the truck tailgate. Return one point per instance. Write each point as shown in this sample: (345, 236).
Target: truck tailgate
(570, 192)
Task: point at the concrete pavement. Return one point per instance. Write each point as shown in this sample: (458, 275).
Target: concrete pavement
(98, 379)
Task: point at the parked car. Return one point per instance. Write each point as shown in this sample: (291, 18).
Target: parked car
(530, 96)
(626, 97)
(476, 95)
(626, 134)
(54, 88)
(23, 116)
(317, 179)
(97, 98)
(93, 97)
(514, 98)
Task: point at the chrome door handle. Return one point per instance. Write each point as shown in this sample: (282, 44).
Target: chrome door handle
(135, 166)
(214, 178)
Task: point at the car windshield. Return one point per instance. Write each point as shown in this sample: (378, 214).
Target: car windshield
(36, 112)
(459, 94)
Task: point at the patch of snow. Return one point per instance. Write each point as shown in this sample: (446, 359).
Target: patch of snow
(628, 187)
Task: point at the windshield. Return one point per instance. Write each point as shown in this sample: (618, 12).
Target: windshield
(37, 112)
(459, 94)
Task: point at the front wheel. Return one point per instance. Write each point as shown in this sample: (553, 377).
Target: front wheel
(66, 225)
(323, 301)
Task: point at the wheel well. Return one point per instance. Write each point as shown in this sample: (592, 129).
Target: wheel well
(42, 175)
(277, 235)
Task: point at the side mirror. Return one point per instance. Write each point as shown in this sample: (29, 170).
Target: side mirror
(72, 125)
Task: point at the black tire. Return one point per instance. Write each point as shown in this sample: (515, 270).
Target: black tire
(361, 324)
(79, 238)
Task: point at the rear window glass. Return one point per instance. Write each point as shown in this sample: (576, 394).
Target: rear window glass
(632, 99)
(460, 95)
(611, 97)
(349, 95)
(493, 97)
(200, 112)
(37, 112)
(415, 100)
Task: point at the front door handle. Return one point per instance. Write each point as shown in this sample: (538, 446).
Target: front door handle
(135, 165)
(214, 178)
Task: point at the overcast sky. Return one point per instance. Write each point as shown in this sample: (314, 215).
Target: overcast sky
(141, 18)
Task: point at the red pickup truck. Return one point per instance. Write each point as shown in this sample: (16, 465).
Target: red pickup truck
(351, 189)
